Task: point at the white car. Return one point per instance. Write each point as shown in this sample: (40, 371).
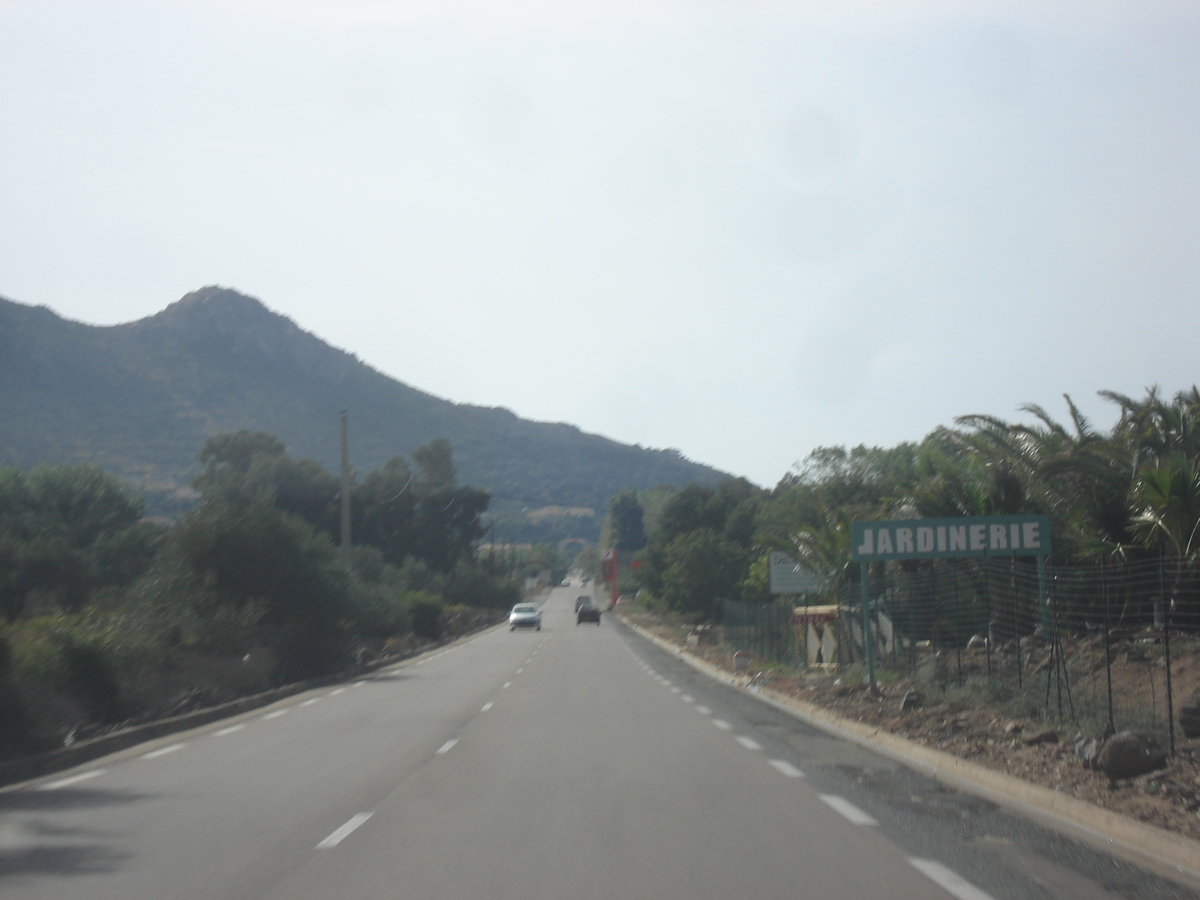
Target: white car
(525, 615)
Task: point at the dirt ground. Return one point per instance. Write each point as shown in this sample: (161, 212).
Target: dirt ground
(991, 736)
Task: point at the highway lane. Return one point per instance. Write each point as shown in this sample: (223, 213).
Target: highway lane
(572, 762)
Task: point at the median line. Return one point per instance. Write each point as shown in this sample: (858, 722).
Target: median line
(344, 831)
(847, 810)
(162, 751)
(73, 779)
(948, 880)
(785, 768)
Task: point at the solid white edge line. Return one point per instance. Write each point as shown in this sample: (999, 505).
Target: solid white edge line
(445, 748)
(73, 779)
(487, 706)
(785, 768)
(847, 810)
(748, 743)
(230, 730)
(722, 724)
(949, 881)
(162, 751)
(344, 832)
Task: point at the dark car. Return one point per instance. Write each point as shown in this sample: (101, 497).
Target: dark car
(582, 600)
(587, 613)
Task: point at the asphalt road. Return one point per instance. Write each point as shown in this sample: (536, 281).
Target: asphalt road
(571, 762)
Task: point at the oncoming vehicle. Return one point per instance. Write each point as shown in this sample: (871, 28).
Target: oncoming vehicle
(587, 613)
(525, 615)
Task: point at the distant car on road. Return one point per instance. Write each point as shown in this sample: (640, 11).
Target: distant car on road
(525, 615)
(587, 613)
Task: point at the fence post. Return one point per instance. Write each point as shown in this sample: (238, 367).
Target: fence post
(1107, 644)
(866, 621)
(1043, 600)
(1167, 605)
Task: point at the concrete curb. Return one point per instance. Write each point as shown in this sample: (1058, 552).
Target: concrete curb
(1165, 852)
(30, 767)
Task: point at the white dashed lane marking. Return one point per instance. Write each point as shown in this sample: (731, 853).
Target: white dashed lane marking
(722, 724)
(276, 714)
(445, 748)
(949, 881)
(359, 683)
(163, 751)
(687, 698)
(487, 706)
(230, 730)
(311, 702)
(786, 768)
(748, 743)
(704, 710)
(508, 684)
(338, 691)
(344, 832)
(73, 779)
(848, 810)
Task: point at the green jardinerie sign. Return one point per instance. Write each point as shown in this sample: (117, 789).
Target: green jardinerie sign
(944, 538)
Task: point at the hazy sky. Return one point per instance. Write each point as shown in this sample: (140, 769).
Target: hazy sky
(743, 229)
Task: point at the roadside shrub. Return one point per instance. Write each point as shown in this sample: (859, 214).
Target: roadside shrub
(426, 616)
(90, 679)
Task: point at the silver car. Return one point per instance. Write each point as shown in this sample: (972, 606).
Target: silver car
(525, 615)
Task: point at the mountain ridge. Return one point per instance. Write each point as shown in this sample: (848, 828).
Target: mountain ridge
(140, 398)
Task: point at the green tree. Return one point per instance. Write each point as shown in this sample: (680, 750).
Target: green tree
(626, 515)
(702, 569)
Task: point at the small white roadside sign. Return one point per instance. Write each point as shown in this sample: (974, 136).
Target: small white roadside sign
(787, 577)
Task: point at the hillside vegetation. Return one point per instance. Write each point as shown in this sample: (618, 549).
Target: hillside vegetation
(138, 399)
(110, 618)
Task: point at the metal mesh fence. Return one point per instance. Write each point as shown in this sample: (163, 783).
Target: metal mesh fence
(1091, 646)
(764, 630)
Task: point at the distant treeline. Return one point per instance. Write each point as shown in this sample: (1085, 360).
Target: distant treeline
(109, 616)
(1132, 493)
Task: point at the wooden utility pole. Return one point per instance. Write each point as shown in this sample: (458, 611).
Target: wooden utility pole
(345, 492)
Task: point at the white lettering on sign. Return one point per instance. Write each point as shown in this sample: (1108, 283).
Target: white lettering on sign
(925, 539)
(958, 537)
(970, 538)
(1032, 535)
(883, 541)
(978, 535)
(867, 548)
(997, 537)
